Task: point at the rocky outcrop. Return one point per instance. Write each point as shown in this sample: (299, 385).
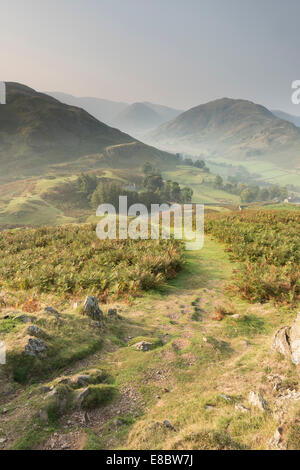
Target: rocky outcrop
(34, 330)
(287, 341)
(91, 309)
(257, 400)
(143, 346)
(34, 347)
(52, 311)
(281, 341)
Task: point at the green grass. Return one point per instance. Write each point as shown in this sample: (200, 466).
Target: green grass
(201, 183)
(71, 259)
(99, 395)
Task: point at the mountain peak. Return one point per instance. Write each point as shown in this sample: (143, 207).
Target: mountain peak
(232, 128)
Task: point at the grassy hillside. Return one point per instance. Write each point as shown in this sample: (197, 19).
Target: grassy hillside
(205, 344)
(38, 133)
(53, 199)
(234, 129)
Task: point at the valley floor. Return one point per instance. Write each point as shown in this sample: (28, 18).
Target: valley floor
(191, 390)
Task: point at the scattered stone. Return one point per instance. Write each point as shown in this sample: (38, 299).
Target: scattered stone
(236, 316)
(4, 411)
(36, 331)
(25, 318)
(113, 313)
(241, 408)
(168, 425)
(209, 407)
(3, 440)
(275, 443)
(143, 346)
(91, 308)
(291, 395)
(34, 347)
(45, 389)
(82, 395)
(287, 341)
(10, 316)
(256, 399)
(204, 339)
(281, 341)
(225, 397)
(52, 311)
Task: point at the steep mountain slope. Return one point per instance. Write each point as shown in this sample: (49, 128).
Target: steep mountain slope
(287, 117)
(37, 131)
(137, 118)
(235, 129)
(104, 110)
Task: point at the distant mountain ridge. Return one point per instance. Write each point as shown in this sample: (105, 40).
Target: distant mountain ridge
(287, 117)
(136, 117)
(37, 131)
(102, 109)
(231, 128)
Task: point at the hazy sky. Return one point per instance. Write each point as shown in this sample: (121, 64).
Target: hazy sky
(175, 52)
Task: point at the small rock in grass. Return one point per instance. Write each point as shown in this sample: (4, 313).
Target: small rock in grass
(168, 425)
(113, 313)
(241, 408)
(10, 316)
(256, 399)
(281, 341)
(209, 407)
(275, 442)
(91, 308)
(34, 347)
(36, 331)
(52, 311)
(225, 397)
(82, 395)
(143, 346)
(25, 318)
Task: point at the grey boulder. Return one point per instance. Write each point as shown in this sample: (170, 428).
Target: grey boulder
(34, 347)
(91, 308)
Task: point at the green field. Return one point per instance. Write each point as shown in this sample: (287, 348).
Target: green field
(202, 184)
(266, 171)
